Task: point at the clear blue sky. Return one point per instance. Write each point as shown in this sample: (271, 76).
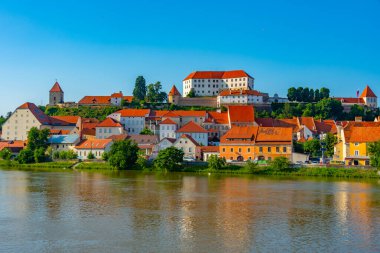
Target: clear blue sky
(98, 47)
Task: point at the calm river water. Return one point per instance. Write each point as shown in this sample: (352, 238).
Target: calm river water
(136, 212)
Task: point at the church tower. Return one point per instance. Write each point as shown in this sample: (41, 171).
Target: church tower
(56, 94)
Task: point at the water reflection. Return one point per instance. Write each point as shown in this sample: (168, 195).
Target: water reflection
(86, 211)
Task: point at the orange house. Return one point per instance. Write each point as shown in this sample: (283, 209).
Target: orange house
(243, 143)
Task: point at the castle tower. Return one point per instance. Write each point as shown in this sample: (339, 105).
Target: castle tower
(174, 95)
(369, 97)
(56, 94)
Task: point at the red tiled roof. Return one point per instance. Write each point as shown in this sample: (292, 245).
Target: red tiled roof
(367, 92)
(134, 112)
(109, 122)
(325, 126)
(274, 134)
(69, 119)
(219, 117)
(365, 134)
(95, 100)
(217, 74)
(308, 122)
(168, 121)
(174, 91)
(94, 144)
(12, 144)
(56, 88)
(241, 114)
(192, 127)
(40, 115)
(117, 95)
(128, 98)
(183, 113)
(240, 134)
(227, 93)
(118, 137)
(350, 100)
(214, 149)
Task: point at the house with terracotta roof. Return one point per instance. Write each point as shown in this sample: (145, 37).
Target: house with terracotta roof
(217, 125)
(166, 142)
(242, 97)
(168, 129)
(56, 95)
(107, 128)
(189, 146)
(95, 146)
(115, 99)
(14, 146)
(195, 131)
(182, 117)
(133, 120)
(367, 98)
(207, 151)
(353, 140)
(243, 143)
(148, 144)
(210, 83)
(241, 115)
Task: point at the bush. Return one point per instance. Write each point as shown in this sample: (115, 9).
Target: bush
(215, 162)
(251, 167)
(90, 156)
(25, 156)
(5, 154)
(169, 159)
(123, 154)
(56, 155)
(280, 163)
(39, 155)
(105, 156)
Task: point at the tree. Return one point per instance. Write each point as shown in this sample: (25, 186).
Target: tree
(5, 154)
(328, 108)
(56, 155)
(324, 92)
(215, 162)
(292, 94)
(169, 159)
(146, 131)
(25, 156)
(280, 163)
(37, 139)
(39, 155)
(299, 94)
(374, 154)
(191, 93)
(139, 91)
(308, 111)
(330, 141)
(305, 95)
(251, 166)
(356, 111)
(311, 95)
(317, 96)
(90, 156)
(105, 156)
(123, 154)
(155, 93)
(313, 147)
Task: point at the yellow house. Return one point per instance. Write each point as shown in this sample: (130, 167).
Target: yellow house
(353, 142)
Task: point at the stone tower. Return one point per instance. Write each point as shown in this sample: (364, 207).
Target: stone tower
(174, 96)
(56, 94)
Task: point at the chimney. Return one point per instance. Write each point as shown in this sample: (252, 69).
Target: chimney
(358, 119)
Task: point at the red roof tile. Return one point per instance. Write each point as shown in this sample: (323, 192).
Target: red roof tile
(350, 100)
(134, 112)
(367, 92)
(118, 137)
(365, 134)
(69, 119)
(109, 122)
(192, 127)
(214, 149)
(241, 114)
(168, 121)
(217, 74)
(174, 91)
(56, 88)
(94, 144)
(219, 117)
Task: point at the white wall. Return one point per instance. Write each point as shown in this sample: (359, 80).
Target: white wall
(201, 138)
(19, 124)
(167, 131)
(105, 132)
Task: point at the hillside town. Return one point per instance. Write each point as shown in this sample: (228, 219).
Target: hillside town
(232, 129)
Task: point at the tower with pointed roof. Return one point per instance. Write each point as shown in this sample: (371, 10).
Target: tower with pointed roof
(369, 97)
(174, 95)
(56, 94)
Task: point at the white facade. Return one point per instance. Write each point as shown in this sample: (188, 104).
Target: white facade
(201, 138)
(168, 131)
(105, 132)
(165, 143)
(19, 124)
(188, 147)
(132, 125)
(239, 99)
(210, 87)
(83, 153)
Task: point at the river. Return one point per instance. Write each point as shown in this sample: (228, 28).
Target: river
(137, 212)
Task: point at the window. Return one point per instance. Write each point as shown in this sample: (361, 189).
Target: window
(239, 149)
(284, 149)
(356, 152)
(356, 144)
(190, 150)
(232, 149)
(249, 150)
(269, 149)
(223, 150)
(278, 149)
(260, 149)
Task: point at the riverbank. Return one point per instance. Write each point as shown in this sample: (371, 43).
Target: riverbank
(203, 169)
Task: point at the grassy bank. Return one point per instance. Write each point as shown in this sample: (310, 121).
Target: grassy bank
(53, 165)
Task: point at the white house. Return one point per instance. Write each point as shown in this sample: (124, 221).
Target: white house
(95, 146)
(198, 133)
(165, 143)
(227, 97)
(63, 142)
(107, 128)
(168, 129)
(209, 83)
(189, 146)
(133, 120)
